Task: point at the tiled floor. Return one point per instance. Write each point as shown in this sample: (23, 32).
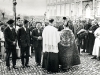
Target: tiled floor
(88, 66)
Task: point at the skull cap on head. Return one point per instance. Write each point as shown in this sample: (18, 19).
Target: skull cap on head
(51, 20)
(26, 21)
(11, 21)
(64, 18)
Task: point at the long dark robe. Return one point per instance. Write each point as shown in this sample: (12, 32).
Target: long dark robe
(86, 39)
(91, 39)
(50, 62)
(68, 52)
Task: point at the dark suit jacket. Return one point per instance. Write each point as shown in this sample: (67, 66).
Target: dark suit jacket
(10, 37)
(93, 28)
(35, 36)
(23, 37)
(60, 28)
(87, 26)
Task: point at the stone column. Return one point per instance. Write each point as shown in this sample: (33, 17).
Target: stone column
(94, 8)
(56, 7)
(70, 10)
(64, 9)
(81, 9)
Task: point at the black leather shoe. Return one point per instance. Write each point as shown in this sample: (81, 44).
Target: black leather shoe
(23, 66)
(15, 67)
(8, 68)
(27, 65)
(94, 57)
(83, 51)
(38, 64)
(90, 53)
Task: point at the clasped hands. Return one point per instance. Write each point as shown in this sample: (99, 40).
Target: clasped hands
(39, 38)
(90, 31)
(14, 43)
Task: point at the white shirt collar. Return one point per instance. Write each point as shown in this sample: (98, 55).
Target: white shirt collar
(10, 27)
(24, 28)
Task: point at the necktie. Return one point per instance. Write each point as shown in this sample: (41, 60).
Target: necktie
(38, 31)
(25, 29)
(11, 29)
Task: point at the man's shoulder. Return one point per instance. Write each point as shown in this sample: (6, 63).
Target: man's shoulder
(31, 28)
(7, 28)
(61, 26)
(20, 28)
(34, 29)
(95, 27)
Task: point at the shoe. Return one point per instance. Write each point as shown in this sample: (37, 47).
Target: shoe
(94, 57)
(98, 58)
(8, 68)
(23, 66)
(83, 51)
(15, 67)
(90, 53)
(38, 64)
(27, 65)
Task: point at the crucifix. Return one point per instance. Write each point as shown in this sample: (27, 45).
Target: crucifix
(14, 9)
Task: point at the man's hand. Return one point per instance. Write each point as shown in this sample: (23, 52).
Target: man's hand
(14, 43)
(39, 38)
(97, 34)
(90, 31)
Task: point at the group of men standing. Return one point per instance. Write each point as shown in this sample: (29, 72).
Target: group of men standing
(86, 37)
(22, 37)
(11, 39)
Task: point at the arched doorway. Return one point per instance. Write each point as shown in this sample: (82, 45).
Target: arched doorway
(88, 11)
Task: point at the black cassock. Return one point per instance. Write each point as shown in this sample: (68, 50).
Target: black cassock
(91, 38)
(86, 39)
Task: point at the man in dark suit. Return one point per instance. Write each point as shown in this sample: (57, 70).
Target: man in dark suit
(10, 44)
(24, 43)
(61, 26)
(31, 29)
(37, 40)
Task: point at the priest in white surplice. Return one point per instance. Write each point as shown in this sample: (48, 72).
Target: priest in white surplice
(96, 48)
(50, 47)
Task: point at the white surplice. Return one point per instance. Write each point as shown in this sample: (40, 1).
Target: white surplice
(2, 38)
(17, 47)
(50, 39)
(96, 48)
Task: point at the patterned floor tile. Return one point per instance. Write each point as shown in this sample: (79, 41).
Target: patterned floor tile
(88, 66)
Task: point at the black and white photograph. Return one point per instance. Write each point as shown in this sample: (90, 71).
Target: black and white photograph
(49, 37)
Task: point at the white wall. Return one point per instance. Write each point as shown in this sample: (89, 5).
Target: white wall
(98, 8)
(67, 10)
(62, 10)
(58, 10)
